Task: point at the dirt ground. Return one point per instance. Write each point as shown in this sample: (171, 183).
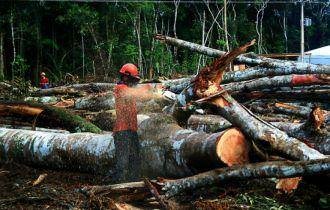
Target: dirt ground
(61, 190)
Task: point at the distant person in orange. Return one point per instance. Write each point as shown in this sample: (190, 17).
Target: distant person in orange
(44, 82)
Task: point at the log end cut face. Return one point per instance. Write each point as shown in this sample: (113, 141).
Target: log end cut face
(233, 147)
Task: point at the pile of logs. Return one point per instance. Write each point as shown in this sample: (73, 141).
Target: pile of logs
(270, 120)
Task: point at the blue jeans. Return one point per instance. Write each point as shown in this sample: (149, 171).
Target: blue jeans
(44, 86)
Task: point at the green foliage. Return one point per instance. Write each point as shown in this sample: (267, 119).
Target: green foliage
(50, 34)
(324, 202)
(80, 16)
(260, 202)
(221, 43)
(19, 66)
(21, 88)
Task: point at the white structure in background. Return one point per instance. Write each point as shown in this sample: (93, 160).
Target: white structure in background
(317, 56)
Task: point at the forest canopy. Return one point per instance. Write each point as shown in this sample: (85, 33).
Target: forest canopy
(92, 40)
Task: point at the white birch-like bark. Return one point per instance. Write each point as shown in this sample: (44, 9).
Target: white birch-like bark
(278, 169)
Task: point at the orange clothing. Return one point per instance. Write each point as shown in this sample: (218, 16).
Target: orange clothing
(126, 111)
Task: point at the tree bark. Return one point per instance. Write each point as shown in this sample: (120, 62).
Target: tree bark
(260, 130)
(207, 85)
(107, 102)
(317, 139)
(63, 90)
(272, 70)
(292, 80)
(175, 152)
(250, 77)
(289, 109)
(313, 94)
(34, 129)
(43, 115)
(278, 169)
(100, 87)
(208, 123)
(267, 66)
(306, 131)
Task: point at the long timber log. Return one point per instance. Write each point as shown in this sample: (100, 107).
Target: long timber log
(306, 131)
(207, 85)
(278, 169)
(174, 152)
(82, 89)
(42, 115)
(305, 93)
(286, 108)
(272, 67)
(292, 80)
(107, 102)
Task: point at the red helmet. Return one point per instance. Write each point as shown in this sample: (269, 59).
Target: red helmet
(130, 70)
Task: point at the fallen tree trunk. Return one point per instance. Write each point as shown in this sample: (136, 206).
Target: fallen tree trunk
(274, 67)
(63, 90)
(107, 102)
(259, 72)
(82, 89)
(96, 102)
(275, 82)
(278, 169)
(257, 129)
(322, 95)
(207, 86)
(306, 132)
(42, 115)
(49, 100)
(208, 123)
(175, 152)
(34, 129)
(290, 109)
(299, 111)
(215, 123)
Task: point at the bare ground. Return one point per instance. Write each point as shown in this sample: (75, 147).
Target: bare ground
(61, 190)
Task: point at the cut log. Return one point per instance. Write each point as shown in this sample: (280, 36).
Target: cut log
(252, 126)
(275, 82)
(208, 123)
(48, 100)
(43, 115)
(114, 188)
(306, 132)
(215, 123)
(96, 102)
(290, 109)
(58, 91)
(301, 111)
(82, 89)
(278, 169)
(190, 151)
(36, 129)
(174, 152)
(257, 129)
(259, 72)
(106, 101)
(274, 67)
(311, 95)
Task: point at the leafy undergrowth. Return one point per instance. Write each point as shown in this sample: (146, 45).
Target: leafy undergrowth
(60, 190)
